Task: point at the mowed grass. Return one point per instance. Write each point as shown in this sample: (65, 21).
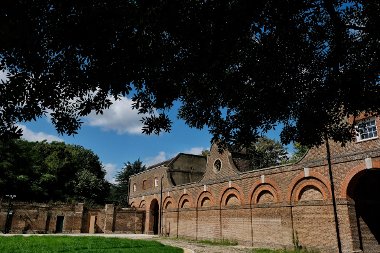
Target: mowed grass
(52, 244)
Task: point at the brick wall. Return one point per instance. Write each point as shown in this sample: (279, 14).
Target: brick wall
(42, 218)
(129, 221)
(268, 207)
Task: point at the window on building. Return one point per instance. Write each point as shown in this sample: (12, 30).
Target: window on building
(217, 165)
(366, 129)
(144, 185)
(155, 182)
(134, 187)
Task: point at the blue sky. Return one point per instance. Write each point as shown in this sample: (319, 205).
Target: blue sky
(116, 137)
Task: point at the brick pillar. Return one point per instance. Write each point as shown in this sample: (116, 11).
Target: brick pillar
(148, 223)
(109, 218)
(348, 227)
(76, 225)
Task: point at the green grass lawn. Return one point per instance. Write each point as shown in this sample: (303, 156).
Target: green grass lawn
(52, 244)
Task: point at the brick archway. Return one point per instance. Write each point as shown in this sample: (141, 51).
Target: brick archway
(313, 183)
(167, 202)
(349, 179)
(154, 216)
(262, 189)
(258, 187)
(202, 196)
(142, 204)
(361, 187)
(234, 190)
(183, 198)
(314, 179)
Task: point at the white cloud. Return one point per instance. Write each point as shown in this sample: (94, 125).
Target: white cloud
(155, 159)
(120, 117)
(111, 171)
(162, 156)
(194, 150)
(3, 76)
(29, 135)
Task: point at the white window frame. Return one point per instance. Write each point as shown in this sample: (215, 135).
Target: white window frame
(366, 129)
(155, 182)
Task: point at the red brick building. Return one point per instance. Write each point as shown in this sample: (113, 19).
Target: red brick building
(217, 198)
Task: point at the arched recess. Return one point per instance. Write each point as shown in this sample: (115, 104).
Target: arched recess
(232, 220)
(154, 216)
(309, 189)
(207, 213)
(310, 192)
(169, 203)
(186, 216)
(205, 199)
(133, 204)
(363, 191)
(231, 197)
(169, 215)
(257, 188)
(185, 201)
(311, 208)
(142, 204)
(265, 197)
(314, 181)
(264, 193)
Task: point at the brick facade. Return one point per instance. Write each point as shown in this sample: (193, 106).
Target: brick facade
(42, 218)
(272, 207)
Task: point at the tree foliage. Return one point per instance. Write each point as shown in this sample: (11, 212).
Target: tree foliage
(41, 171)
(120, 191)
(238, 67)
(205, 152)
(266, 152)
(299, 152)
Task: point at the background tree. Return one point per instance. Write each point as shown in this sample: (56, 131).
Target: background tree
(14, 164)
(299, 152)
(266, 152)
(205, 152)
(41, 171)
(120, 191)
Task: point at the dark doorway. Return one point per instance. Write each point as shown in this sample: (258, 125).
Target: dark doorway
(154, 216)
(365, 193)
(47, 223)
(8, 222)
(59, 224)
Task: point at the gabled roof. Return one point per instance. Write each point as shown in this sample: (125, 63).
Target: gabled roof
(182, 154)
(170, 161)
(164, 163)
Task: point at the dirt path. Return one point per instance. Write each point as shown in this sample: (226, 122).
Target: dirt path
(204, 248)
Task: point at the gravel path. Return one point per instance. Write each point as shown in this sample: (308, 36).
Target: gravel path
(204, 248)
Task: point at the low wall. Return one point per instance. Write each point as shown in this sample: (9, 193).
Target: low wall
(43, 218)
